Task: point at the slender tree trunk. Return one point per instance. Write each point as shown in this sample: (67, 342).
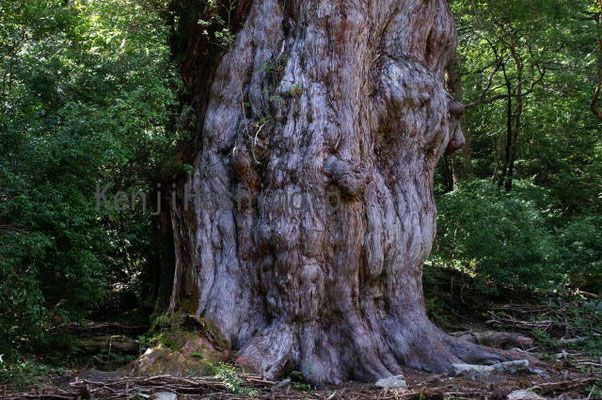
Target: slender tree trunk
(329, 118)
(448, 174)
(516, 117)
(595, 107)
(509, 129)
(461, 170)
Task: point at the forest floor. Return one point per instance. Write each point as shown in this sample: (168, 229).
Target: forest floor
(565, 336)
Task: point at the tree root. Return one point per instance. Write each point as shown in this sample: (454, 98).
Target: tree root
(336, 354)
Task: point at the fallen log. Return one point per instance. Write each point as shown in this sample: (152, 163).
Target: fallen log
(108, 344)
(91, 328)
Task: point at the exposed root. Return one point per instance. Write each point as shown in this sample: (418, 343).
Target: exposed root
(268, 352)
(472, 353)
(349, 351)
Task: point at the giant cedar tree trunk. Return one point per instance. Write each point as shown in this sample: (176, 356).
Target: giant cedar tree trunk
(320, 97)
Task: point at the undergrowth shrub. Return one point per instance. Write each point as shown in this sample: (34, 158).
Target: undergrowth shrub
(498, 238)
(91, 92)
(580, 254)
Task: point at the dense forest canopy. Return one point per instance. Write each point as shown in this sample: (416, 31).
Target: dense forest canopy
(87, 92)
(528, 70)
(93, 97)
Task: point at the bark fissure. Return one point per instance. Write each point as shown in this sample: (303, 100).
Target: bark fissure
(343, 103)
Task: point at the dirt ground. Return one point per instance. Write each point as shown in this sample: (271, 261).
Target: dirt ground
(558, 383)
(564, 339)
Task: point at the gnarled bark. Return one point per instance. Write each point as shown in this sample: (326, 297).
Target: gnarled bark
(342, 102)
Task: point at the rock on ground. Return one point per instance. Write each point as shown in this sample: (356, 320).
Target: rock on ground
(392, 382)
(524, 395)
(512, 366)
(479, 371)
(474, 371)
(165, 396)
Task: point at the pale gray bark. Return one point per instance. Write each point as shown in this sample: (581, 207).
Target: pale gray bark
(316, 96)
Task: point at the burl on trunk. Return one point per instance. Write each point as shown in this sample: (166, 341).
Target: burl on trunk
(304, 225)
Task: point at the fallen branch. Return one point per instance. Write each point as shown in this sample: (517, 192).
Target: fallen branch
(571, 384)
(91, 328)
(519, 324)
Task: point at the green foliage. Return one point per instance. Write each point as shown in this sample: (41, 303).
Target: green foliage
(26, 373)
(595, 391)
(298, 381)
(228, 375)
(144, 342)
(545, 233)
(497, 237)
(87, 91)
(580, 242)
(515, 240)
(295, 90)
(580, 322)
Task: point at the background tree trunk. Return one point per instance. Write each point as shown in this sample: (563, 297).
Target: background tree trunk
(595, 107)
(342, 104)
(461, 169)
